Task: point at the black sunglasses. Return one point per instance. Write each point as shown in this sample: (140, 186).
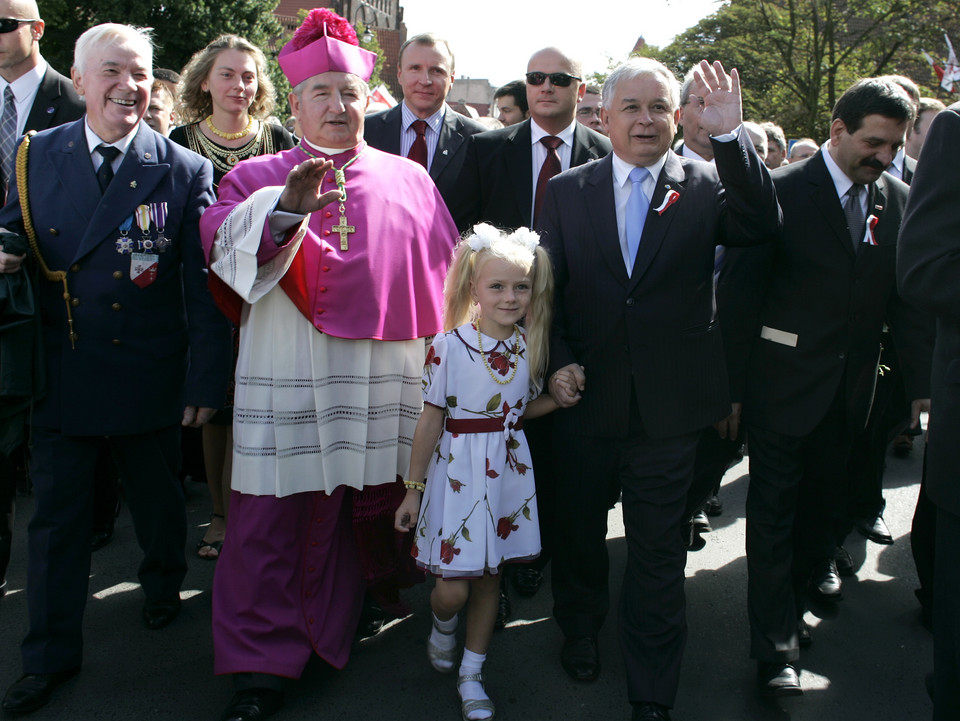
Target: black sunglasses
(561, 80)
(8, 25)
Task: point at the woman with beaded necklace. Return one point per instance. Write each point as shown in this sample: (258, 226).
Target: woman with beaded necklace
(224, 94)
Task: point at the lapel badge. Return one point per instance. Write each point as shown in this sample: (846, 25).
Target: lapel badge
(133, 183)
(878, 208)
(146, 156)
(50, 110)
(446, 152)
(869, 237)
(671, 197)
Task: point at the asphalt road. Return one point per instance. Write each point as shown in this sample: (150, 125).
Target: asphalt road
(868, 660)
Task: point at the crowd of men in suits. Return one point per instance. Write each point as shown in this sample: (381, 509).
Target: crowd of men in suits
(681, 351)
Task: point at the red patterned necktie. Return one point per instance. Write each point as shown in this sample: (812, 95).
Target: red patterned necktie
(418, 151)
(550, 167)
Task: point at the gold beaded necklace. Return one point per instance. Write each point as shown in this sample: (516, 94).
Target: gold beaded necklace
(230, 136)
(514, 351)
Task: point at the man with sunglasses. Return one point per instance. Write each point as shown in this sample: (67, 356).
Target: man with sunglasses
(38, 97)
(505, 173)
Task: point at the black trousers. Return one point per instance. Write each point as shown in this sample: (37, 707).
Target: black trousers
(63, 470)
(654, 475)
(794, 504)
(946, 619)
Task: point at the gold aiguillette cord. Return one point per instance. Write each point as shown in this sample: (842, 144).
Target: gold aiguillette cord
(51, 275)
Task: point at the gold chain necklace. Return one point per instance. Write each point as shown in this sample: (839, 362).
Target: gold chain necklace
(225, 158)
(510, 351)
(341, 179)
(230, 136)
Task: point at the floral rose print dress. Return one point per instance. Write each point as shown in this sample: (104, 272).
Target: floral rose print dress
(479, 508)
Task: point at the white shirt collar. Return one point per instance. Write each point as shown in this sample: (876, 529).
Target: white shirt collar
(93, 140)
(566, 135)
(621, 169)
(26, 83)
(407, 117)
(840, 179)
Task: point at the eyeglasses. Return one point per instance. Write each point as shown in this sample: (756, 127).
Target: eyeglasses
(588, 112)
(8, 25)
(561, 80)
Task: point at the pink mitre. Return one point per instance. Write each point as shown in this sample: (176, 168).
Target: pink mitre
(324, 42)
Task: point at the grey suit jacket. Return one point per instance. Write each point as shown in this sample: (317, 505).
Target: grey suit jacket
(382, 131)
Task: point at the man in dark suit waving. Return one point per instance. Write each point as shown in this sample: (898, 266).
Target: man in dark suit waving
(801, 324)
(133, 343)
(423, 127)
(632, 239)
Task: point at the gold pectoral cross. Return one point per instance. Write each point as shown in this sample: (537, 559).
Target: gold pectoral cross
(343, 229)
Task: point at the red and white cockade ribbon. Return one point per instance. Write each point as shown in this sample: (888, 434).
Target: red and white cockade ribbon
(869, 237)
(672, 197)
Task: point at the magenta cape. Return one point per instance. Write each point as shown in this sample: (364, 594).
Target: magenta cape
(389, 284)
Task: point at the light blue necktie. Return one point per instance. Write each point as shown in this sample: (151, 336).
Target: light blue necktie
(636, 213)
(8, 134)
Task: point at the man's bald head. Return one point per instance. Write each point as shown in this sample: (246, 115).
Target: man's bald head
(20, 48)
(553, 105)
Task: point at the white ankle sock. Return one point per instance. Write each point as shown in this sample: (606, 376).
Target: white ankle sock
(473, 663)
(443, 636)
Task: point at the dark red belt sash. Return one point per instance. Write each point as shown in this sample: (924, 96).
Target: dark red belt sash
(479, 425)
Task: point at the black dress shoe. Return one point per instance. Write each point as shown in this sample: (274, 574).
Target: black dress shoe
(713, 506)
(101, 537)
(825, 584)
(157, 614)
(692, 540)
(844, 562)
(580, 658)
(504, 608)
(701, 522)
(804, 635)
(777, 680)
(527, 580)
(875, 529)
(253, 704)
(372, 618)
(650, 712)
(32, 691)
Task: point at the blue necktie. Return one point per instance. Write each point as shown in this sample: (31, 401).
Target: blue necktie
(636, 214)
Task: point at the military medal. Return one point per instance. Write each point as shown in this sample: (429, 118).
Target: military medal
(158, 213)
(142, 214)
(143, 268)
(123, 243)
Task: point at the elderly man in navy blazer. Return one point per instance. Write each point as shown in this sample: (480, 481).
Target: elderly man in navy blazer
(423, 127)
(632, 240)
(133, 343)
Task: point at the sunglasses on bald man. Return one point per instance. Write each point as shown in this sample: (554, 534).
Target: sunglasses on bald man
(561, 80)
(8, 25)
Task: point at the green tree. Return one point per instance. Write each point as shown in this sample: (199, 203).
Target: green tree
(796, 57)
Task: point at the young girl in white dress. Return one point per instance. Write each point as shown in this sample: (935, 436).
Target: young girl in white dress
(470, 460)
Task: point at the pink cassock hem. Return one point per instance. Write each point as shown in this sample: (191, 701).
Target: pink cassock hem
(288, 584)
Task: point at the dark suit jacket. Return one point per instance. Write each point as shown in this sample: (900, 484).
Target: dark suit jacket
(56, 103)
(129, 371)
(382, 131)
(928, 268)
(654, 329)
(909, 169)
(496, 185)
(833, 301)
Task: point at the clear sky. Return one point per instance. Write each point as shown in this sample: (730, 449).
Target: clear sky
(494, 38)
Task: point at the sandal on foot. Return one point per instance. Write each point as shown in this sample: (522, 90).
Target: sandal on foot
(208, 546)
(437, 654)
(470, 705)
